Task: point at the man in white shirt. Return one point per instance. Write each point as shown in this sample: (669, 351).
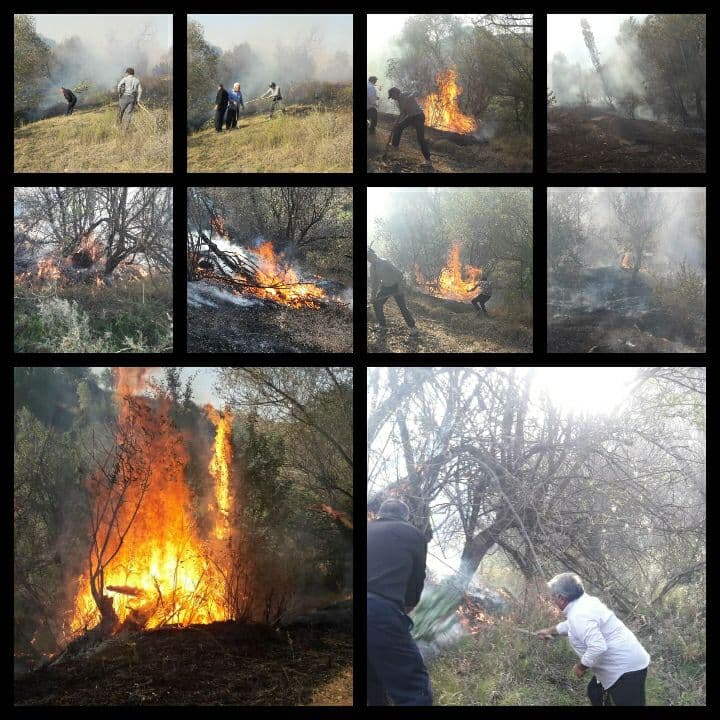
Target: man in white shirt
(276, 99)
(603, 643)
(372, 101)
(130, 92)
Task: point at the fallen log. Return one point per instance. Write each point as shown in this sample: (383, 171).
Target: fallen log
(435, 134)
(455, 306)
(126, 590)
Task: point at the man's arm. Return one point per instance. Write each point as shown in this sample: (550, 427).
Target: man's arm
(374, 281)
(139, 91)
(121, 86)
(417, 577)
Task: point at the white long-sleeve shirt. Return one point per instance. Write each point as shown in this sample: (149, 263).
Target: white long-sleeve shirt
(372, 96)
(602, 641)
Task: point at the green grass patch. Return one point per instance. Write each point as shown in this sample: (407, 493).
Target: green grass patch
(132, 316)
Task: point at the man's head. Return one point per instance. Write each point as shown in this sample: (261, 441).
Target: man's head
(371, 256)
(564, 588)
(220, 86)
(372, 79)
(62, 89)
(394, 93)
(394, 509)
(236, 86)
(272, 85)
(130, 71)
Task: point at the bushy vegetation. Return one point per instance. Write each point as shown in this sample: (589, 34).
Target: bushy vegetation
(131, 316)
(680, 297)
(500, 666)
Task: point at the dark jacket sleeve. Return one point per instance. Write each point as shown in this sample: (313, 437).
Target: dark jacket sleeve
(417, 577)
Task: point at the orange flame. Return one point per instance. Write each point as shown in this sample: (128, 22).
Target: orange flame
(90, 245)
(441, 108)
(47, 269)
(626, 261)
(454, 282)
(162, 572)
(278, 282)
(219, 468)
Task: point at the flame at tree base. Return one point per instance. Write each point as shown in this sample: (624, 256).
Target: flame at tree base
(441, 108)
(454, 282)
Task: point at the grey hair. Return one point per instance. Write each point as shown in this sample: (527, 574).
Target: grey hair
(567, 584)
(394, 509)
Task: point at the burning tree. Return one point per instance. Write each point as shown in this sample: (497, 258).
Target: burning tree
(441, 108)
(145, 546)
(640, 212)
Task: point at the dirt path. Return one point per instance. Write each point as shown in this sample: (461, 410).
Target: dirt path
(449, 332)
(498, 155)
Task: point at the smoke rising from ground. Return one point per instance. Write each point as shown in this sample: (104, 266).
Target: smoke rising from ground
(96, 49)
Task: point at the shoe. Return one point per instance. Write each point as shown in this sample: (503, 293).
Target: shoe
(414, 332)
(427, 164)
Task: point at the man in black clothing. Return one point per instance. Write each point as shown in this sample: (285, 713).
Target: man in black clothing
(484, 295)
(221, 103)
(396, 554)
(71, 99)
(411, 115)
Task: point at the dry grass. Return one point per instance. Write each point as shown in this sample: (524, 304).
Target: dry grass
(302, 140)
(90, 141)
(506, 330)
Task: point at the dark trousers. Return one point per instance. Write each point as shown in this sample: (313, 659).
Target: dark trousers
(219, 117)
(384, 294)
(372, 117)
(126, 106)
(231, 119)
(71, 107)
(395, 669)
(418, 122)
(629, 689)
(275, 103)
(479, 302)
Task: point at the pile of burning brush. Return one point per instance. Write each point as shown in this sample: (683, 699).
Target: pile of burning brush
(258, 272)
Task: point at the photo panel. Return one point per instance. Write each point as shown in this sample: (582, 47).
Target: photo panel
(626, 270)
(450, 269)
(79, 108)
(270, 270)
(93, 269)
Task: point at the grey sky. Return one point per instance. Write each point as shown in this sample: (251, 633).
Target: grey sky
(98, 30)
(564, 34)
(266, 31)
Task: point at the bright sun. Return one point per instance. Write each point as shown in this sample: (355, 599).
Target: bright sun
(591, 390)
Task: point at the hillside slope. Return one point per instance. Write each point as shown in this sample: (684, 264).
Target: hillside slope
(222, 663)
(303, 140)
(90, 141)
(589, 139)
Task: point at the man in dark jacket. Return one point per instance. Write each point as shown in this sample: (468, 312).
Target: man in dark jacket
(485, 288)
(387, 281)
(221, 104)
(71, 98)
(411, 114)
(396, 554)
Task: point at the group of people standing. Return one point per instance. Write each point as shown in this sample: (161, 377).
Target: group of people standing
(229, 102)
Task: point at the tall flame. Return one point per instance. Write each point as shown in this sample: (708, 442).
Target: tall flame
(441, 108)
(219, 468)
(162, 571)
(626, 261)
(454, 282)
